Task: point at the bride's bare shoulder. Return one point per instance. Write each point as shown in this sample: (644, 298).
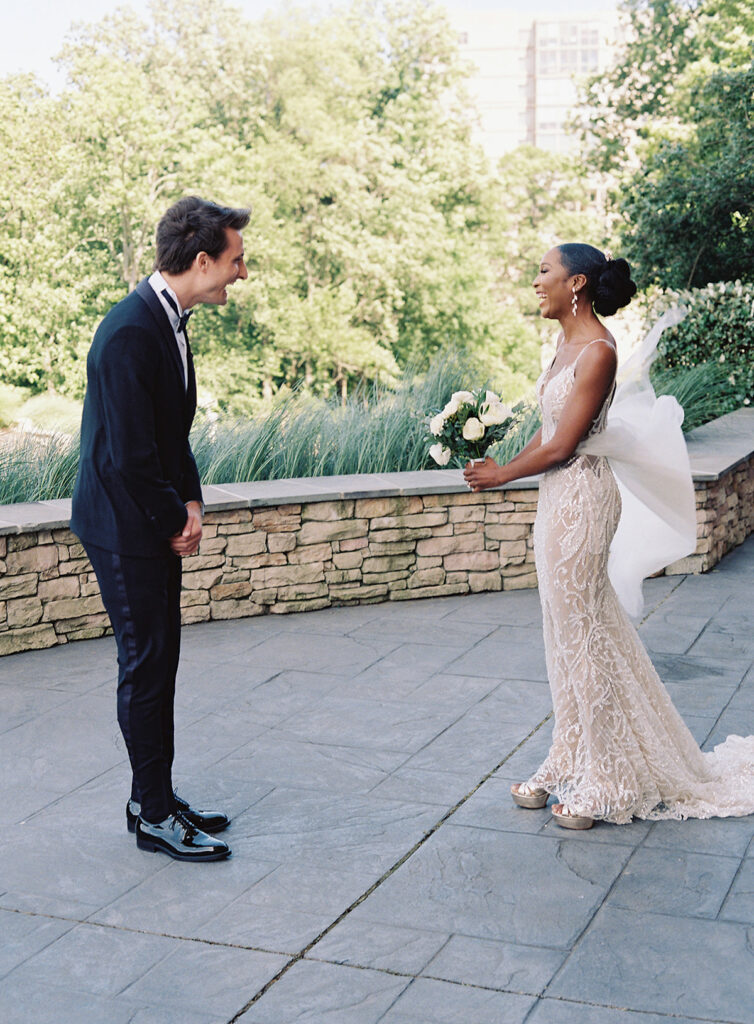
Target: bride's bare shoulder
(596, 358)
(603, 335)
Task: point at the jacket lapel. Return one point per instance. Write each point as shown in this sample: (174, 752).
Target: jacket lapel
(190, 383)
(145, 291)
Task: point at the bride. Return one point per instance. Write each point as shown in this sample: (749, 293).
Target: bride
(619, 749)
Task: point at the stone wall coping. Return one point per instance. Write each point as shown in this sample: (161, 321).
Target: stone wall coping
(53, 515)
(714, 449)
(719, 445)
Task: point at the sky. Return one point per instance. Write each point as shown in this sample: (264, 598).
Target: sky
(34, 30)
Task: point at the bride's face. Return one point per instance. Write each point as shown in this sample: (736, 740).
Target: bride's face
(553, 286)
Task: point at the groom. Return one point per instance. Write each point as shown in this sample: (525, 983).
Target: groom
(137, 503)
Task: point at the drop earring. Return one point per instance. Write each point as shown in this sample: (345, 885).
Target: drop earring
(574, 302)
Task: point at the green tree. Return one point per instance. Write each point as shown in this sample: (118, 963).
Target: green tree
(670, 48)
(37, 317)
(690, 213)
(671, 122)
(371, 160)
(375, 232)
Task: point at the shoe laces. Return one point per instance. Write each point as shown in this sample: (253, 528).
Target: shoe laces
(180, 803)
(190, 828)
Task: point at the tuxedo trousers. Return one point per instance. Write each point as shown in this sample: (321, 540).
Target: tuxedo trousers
(142, 597)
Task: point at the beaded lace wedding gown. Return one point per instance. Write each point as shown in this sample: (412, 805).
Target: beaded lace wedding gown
(620, 749)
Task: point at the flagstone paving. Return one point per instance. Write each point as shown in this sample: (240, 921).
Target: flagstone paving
(380, 872)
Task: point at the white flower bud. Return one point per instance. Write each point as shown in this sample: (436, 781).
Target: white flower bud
(440, 455)
(436, 424)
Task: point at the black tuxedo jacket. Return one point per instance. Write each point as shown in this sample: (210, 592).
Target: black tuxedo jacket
(136, 469)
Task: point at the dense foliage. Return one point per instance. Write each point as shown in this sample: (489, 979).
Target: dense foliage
(376, 430)
(719, 330)
(673, 124)
(379, 232)
(690, 213)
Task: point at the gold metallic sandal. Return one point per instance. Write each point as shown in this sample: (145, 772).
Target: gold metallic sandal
(529, 796)
(567, 819)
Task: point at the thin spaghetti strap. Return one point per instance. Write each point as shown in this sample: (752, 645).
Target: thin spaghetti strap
(549, 375)
(607, 342)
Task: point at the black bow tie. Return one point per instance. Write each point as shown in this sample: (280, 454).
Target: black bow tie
(183, 318)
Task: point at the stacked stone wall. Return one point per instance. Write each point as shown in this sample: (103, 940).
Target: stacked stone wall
(298, 557)
(48, 592)
(724, 518)
(307, 556)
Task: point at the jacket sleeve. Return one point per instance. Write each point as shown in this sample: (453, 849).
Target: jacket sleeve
(127, 376)
(191, 489)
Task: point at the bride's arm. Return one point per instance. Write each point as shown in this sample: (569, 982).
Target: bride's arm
(535, 442)
(593, 380)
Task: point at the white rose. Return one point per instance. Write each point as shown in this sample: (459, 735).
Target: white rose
(436, 424)
(490, 397)
(473, 430)
(457, 399)
(439, 454)
(492, 413)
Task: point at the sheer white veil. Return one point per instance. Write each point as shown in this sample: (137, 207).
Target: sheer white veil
(646, 450)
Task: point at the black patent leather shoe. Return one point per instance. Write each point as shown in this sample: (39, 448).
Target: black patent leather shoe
(205, 821)
(178, 838)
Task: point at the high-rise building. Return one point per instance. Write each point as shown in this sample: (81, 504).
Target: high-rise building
(527, 72)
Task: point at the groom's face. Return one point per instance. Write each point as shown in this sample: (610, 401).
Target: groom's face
(219, 274)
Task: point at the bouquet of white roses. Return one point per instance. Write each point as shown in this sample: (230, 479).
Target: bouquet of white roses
(467, 426)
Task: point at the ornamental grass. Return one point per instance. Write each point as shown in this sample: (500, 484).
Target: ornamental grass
(377, 430)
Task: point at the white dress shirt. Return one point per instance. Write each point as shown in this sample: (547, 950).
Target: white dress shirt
(158, 283)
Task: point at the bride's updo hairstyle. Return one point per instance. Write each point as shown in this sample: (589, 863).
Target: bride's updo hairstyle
(608, 281)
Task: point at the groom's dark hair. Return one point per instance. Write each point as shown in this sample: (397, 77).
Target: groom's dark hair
(194, 225)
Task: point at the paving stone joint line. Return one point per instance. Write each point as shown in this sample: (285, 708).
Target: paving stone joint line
(629, 1011)
(739, 869)
(640, 846)
(655, 879)
(390, 871)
